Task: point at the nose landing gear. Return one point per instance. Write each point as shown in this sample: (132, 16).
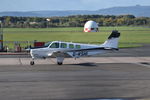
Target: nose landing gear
(31, 62)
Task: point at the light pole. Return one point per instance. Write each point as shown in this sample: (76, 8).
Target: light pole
(1, 36)
(48, 20)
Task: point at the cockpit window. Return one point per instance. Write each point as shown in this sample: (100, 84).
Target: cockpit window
(47, 44)
(63, 45)
(71, 46)
(54, 45)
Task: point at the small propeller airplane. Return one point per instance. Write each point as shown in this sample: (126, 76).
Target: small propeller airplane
(60, 49)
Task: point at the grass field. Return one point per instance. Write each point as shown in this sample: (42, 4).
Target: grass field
(130, 36)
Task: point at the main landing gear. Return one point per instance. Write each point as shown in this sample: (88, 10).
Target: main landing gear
(60, 60)
(59, 63)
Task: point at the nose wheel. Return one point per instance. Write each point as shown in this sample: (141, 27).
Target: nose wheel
(31, 62)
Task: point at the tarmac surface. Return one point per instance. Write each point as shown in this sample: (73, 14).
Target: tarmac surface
(84, 81)
(124, 76)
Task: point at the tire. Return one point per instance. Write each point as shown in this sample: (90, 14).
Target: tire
(32, 63)
(59, 63)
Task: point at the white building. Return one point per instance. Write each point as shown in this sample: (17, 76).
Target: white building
(91, 26)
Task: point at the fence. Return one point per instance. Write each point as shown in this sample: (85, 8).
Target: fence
(17, 46)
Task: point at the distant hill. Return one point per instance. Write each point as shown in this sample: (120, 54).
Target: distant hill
(138, 11)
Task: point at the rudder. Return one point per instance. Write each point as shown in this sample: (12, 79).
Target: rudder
(112, 41)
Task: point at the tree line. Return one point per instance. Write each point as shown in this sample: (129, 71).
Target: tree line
(73, 21)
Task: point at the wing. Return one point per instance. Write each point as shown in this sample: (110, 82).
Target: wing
(59, 54)
(91, 49)
(88, 52)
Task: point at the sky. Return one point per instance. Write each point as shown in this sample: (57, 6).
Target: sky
(39, 5)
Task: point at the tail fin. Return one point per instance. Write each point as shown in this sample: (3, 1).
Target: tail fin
(112, 41)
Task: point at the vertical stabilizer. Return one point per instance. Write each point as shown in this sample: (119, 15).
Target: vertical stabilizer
(112, 41)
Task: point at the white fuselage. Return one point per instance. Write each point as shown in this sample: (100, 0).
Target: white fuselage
(64, 46)
(60, 49)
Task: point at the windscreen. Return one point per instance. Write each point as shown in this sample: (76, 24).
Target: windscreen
(47, 44)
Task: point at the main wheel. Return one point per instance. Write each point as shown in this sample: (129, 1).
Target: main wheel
(31, 62)
(59, 63)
